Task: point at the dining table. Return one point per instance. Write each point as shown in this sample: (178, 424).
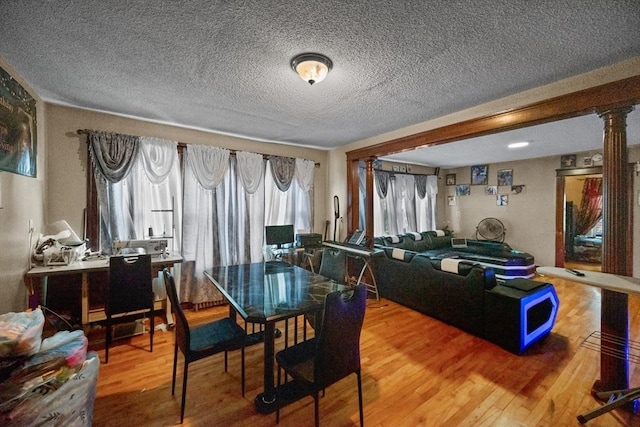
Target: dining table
(266, 293)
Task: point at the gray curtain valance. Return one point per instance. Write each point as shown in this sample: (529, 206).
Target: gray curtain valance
(112, 154)
(382, 181)
(282, 169)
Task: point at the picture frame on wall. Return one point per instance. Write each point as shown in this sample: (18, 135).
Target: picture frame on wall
(491, 190)
(505, 177)
(18, 125)
(518, 189)
(502, 200)
(463, 190)
(451, 200)
(568, 161)
(479, 175)
(451, 179)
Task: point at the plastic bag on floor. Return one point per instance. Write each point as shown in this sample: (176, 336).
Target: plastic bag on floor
(21, 333)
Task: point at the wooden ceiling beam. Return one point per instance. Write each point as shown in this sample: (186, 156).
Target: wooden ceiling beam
(586, 101)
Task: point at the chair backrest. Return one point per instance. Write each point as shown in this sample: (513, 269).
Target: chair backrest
(338, 344)
(334, 264)
(130, 284)
(183, 334)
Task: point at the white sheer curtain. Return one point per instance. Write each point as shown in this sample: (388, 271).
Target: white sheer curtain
(426, 193)
(148, 197)
(251, 167)
(292, 206)
(205, 169)
(384, 209)
(405, 202)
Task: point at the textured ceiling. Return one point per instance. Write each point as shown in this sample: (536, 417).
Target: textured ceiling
(223, 66)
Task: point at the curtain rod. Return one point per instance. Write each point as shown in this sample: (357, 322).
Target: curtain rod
(184, 144)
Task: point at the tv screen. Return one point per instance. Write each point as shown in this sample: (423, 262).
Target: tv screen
(279, 234)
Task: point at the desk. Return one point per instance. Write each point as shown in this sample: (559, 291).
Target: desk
(86, 267)
(265, 293)
(363, 254)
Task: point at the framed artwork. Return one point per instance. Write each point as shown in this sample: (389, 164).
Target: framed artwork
(518, 189)
(505, 177)
(568, 161)
(463, 190)
(502, 200)
(490, 190)
(479, 175)
(18, 124)
(451, 179)
(451, 200)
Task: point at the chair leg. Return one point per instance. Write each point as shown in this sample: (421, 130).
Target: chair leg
(242, 368)
(226, 360)
(107, 341)
(360, 398)
(316, 404)
(153, 327)
(184, 389)
(175, 364)
(278, 397)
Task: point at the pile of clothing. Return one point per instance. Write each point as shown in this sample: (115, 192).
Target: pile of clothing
(49, 381)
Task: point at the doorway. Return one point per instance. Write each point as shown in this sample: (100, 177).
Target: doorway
(583, 221)
(579, 218)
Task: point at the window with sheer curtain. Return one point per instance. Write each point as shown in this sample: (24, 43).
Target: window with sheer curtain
(139, 190)
(214, 212)
(403, 202)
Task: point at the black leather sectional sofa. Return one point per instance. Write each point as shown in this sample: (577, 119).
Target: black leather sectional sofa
(505, 261)
(513, 314)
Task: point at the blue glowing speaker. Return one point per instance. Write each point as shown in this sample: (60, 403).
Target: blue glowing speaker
(519, 312)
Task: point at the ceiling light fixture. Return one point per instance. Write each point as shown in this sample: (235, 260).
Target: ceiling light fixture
(311, 67)
(518, 144)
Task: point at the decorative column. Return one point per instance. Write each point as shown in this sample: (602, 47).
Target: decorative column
(614, 357)
(369, 202)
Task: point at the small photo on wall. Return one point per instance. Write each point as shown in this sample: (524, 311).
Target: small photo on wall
(518, 189)
(502, 200)
(479, 175)
(451, 200)
(505, 177)
(568, 161)
(490, 190)
(463, 190)
(451, 179)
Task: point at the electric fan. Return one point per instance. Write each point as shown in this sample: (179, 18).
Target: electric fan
(490, 229)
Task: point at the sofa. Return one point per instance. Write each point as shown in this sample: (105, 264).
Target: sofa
(506, 262)
(513, 314)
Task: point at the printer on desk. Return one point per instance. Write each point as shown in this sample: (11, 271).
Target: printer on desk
(153, 247)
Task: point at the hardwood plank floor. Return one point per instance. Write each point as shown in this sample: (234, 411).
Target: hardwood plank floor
(417, 371)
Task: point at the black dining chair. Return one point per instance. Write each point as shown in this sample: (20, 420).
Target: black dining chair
(333, 265)
(130, 290)
(200, 341)
(333, 354)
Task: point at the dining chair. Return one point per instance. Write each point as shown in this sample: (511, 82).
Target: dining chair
(130, 290)
(200, 341)
(333, 354)
(333, 265)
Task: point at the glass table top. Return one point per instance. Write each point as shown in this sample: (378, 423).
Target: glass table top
(269, 291)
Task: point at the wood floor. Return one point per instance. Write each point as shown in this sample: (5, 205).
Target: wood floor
(417, 371)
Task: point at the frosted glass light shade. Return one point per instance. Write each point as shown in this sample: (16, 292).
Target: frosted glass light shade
(311, 67)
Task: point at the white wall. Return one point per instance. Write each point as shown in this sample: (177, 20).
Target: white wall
(21, 199)
(68, 156)
(529, 218)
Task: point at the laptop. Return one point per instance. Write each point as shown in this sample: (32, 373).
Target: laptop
(458, 242)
